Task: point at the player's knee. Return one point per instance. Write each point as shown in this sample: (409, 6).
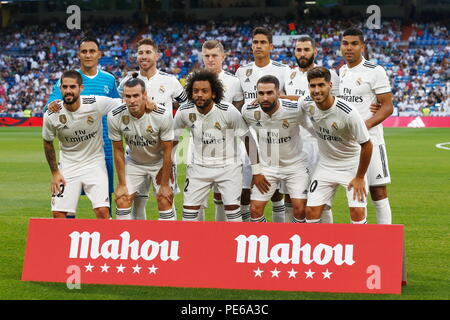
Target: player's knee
(123, 202)
(102, 212)
(59, 214)
(299, 210)
(256, 210)
(312, 213)
(378, 192)
(164, 204)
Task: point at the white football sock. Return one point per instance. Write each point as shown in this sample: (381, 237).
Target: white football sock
(190, 215)
(260, 219)
(278, 211)
(363, 221)
(245, 210)
(201, 214)
(219, 210)
(234, 215)
(289, 212)
(139, 204)
(167, 215)
(123, 214)
(327, 216)
(383, 211)
(312, 220)
(295, 220)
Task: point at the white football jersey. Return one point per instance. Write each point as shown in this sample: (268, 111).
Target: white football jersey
(278, 136)
(339, 130)
(79, 133)
(214, 134)
(296, 82)
(142, 136)
(162, 88)
(360, 85)
(232, 87)
(249, 75)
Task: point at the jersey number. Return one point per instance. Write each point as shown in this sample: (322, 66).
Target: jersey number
(186, 185)
(313, 186)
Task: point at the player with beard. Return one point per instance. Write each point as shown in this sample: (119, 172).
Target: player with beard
(276, 123)
(163, 89)
(78, 127)
(214, 126)
(296, 86)
(249, 74)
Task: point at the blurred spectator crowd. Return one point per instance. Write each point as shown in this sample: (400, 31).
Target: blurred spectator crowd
(32, 58)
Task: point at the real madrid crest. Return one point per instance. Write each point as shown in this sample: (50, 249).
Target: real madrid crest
(162, 89)
(126, 120)
(248, 73)
(257, 116)
(63, 119)
(312, 109)
(150, 129)
(359, 81)
(293, 75)
(285, 124)
(192, 117)
(90, 120)
(217, 126)
(335, 126)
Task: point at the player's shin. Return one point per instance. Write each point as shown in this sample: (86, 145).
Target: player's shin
(383, 211)
(233, 213)
(219, 210)
(139, 204)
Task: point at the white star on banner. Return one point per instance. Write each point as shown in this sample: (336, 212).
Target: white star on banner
(292, 273)
(136, 269)
(105, 267)
(120, 268)
(89, 267)
(153, 269)
(258, 272)
(327, 274)
(275, 272)
(309, 274)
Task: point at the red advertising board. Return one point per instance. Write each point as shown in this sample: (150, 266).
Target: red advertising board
(417, 122)
(256, 256)
(21, 122)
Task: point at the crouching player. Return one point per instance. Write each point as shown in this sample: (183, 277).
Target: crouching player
(344, 149)
(149, 141)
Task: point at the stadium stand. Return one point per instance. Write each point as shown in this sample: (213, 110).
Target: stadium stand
(416, 56)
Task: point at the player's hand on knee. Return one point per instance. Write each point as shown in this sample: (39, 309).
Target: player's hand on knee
(58, 183)
(121, 190)
(359, 189)
(54, 106)
(260, 181)
(165, 192)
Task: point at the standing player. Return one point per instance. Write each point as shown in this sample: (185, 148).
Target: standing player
(148, 160)
(361, 84)
(96, 82)
(214, 126)
(276, 123)
(248, 75)
(78, 127)
(344, 146)
(296, 86)
(213, 55)
(162, 88)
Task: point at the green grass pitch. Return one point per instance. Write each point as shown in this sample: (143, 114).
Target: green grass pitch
(419, 196)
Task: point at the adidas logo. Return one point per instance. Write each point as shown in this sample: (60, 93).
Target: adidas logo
(417, 123)
(290, 84)
(65, 127)
(248, 80)
(126, 129)
(379, 176)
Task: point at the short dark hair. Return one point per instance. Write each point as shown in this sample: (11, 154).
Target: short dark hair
(264, 31)
(269, 79)
(354, 32)
(89, 39)
(147, 41)
(319, 72)
(72, 74)
(205, 75)
(306, 38)
(135, 81)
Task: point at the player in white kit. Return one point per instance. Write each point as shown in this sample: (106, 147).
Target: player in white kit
(78, 127)
(344, 146)
(361, 84)
(214, 126)
(148, 160)
(276, 123)
(296, 86)
(162, 88)
(249, 74)
(213, 55)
